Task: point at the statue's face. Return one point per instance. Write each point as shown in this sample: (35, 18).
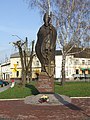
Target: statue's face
(46, 19)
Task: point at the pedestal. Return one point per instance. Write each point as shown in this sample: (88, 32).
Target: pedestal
(45, 84)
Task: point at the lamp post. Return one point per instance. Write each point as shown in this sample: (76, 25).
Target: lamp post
(18, 37)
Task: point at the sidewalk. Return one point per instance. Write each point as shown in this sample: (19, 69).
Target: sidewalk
(5, 87)
(78, 109)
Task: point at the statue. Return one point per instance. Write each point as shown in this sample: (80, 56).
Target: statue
(46, 45)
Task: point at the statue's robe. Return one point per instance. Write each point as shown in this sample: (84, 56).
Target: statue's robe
(46, 45)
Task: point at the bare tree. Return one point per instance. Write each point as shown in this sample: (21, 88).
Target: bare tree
(26, 59)
(71, 18)
(72, 25)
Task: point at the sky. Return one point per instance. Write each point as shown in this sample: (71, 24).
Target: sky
(16, 19)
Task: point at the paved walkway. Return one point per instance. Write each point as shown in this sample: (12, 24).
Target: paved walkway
(78, 109)
(5, 88)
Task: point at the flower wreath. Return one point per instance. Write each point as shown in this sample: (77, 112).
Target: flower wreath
(44, 98)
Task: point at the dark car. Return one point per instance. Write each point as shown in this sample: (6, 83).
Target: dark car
(3, 83)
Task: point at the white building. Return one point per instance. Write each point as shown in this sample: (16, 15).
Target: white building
(69, 66)
(5, 70)
(76, 64)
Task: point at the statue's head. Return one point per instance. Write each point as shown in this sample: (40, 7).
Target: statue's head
(46, 19)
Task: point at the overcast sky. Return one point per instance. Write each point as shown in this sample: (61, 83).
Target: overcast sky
(16, 19)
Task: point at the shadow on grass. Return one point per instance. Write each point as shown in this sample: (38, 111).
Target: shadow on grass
(33, 89)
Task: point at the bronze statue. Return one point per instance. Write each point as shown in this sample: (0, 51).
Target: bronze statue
(46, 44)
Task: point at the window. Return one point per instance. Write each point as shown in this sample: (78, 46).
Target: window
(77, 71)
(17, 62)
(17, 73)
(76, 62)
(37, 63)
(83, 62)
(88, 71)
(88, 62)
(83, 71)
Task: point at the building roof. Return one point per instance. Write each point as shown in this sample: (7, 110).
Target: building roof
(81, 53)
(5, 64)
(58, 52)
(16, 55)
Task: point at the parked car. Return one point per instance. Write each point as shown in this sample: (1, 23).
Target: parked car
(81, 76)
(3, 83)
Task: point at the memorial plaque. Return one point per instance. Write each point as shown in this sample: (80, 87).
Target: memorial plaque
(45, 84)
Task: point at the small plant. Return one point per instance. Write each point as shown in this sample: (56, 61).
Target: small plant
(44, 98)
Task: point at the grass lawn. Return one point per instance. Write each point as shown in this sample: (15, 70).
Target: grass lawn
(72, 89)
(19, 92)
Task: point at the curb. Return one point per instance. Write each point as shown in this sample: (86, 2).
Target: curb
(79, 97)
(24, 98)
(11, 99)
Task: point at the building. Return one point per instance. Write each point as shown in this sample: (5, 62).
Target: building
(77, 65)
(5, 70)
(69, 66)
(16, 68)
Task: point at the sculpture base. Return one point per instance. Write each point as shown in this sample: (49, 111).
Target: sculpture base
(54, 99)
(45, 84)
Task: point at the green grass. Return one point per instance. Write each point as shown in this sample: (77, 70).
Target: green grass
(18, 92)
(72, 89)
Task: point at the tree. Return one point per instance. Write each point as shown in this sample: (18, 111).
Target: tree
(72, 25)
(26, 59)
(71, 18)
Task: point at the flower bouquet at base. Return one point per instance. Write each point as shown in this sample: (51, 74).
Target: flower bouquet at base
(44, 98)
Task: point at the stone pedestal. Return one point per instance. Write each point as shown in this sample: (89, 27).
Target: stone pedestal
(45, 84)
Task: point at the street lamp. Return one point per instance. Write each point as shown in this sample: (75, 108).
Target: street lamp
(18, 37)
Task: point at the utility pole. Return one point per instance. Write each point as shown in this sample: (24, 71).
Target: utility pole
(31, 59)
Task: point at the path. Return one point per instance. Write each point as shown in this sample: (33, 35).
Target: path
(5, 87)
(79, 109)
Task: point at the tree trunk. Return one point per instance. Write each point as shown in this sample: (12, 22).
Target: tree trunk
(63, 70)
(23, 78)
(23, 67)
(26, 65)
